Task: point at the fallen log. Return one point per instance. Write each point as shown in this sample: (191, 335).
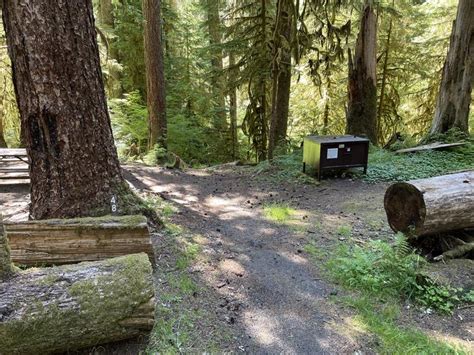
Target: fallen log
(66, 241)
(431, 206)
(76, 306)
(436, 145)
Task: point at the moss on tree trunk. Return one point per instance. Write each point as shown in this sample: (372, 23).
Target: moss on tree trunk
(75, 306)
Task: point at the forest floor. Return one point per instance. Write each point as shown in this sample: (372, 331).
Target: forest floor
(239, 266)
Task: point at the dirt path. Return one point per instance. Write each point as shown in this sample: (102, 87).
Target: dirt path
(260, 280)
(280, 301)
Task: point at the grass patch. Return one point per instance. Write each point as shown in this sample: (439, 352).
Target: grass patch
(383, 274)
(381, 320)
(278, 212)
(182, 323)
(344, 231)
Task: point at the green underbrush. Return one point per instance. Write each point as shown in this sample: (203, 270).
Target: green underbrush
(388, 166)
(384, 165)
(382, 276)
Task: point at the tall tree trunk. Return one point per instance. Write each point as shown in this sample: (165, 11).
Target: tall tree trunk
(155, 77)
(3, 143)
(384, 77)
(262, 109)
(106, 13)
(60, 94)
(233, 105)
(107, 20)
(217, 78)
(454, 98)
(281, 76)
(362, 84)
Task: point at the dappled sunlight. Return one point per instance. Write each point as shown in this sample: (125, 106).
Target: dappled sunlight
(259, 326)
(294, 258)
(456, 342)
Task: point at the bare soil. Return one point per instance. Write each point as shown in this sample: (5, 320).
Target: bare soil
(258, 283)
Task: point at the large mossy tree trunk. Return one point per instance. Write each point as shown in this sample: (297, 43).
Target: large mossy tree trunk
(362, 84)
(454, 98)
(281, 76)
(155, 76)
(74, 166)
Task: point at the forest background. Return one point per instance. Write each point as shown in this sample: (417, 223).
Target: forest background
(221, 59)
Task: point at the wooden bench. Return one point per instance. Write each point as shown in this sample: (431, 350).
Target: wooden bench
(66, 241)
(14, 166)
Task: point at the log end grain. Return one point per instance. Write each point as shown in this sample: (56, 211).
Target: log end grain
(405, 208)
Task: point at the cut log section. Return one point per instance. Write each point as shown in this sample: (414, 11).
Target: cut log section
(430, 206)
(70, 307)
(65, 241)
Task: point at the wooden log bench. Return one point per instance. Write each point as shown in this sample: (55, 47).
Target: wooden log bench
(66, 241)
(64, 308)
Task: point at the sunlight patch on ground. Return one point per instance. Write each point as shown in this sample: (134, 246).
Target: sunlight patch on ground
(351, 327)
(456, 342)
(260, 328)
(294, 258)
(232, 266)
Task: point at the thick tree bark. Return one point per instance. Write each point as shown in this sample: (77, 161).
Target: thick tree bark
(65, 308)
(67, 241)
(454, 98)
(431, 206)
(281, 76)
(60, 94)
(155, 76)
(362, 84)
(233, 105)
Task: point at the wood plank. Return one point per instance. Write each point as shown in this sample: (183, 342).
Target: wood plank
(67, 241)
(9, 152)
(436, 145)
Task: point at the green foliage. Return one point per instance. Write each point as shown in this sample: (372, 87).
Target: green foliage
(388, 166)
(129, 122)
(390, 272)
(441, 298)
(286, 167)
(128, 44)
(454, 135)
(278, 212)
(344, 231)
(381, 320)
